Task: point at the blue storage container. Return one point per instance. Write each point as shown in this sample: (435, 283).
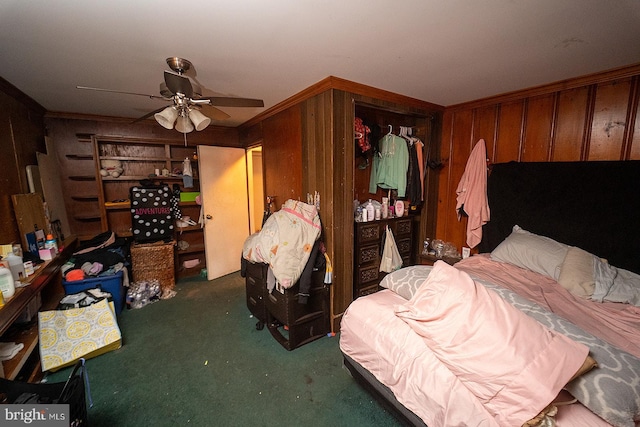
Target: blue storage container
(111, 284)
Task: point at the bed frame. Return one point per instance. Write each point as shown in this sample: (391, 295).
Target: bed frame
(591, 205)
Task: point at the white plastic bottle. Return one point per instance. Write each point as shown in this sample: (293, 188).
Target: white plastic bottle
(370, 210)
(16, 266)
(7, 287)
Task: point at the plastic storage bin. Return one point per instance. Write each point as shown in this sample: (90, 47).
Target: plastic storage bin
(111, 284)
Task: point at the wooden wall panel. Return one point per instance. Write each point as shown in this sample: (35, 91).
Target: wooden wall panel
(570, 132)
(634, 138)
(537, 128)
(21, 136)
(589, 118)
(609, 120)
(485, 127)
(509, 141)
(282, 154)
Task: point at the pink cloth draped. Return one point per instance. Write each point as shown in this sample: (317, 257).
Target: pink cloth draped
(618, 324)
(472, 193)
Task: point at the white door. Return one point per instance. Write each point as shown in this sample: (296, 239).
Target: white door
(223, 184)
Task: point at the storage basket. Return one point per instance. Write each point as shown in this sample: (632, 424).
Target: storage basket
(71, 392)
(154, 261)
(112, 284)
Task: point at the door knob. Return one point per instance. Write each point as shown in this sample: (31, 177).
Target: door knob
(209, 216)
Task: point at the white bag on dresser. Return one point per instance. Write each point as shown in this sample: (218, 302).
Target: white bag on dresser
(391, 259)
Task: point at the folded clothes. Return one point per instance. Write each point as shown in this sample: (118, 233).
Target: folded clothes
(74, 275)
(9, 349)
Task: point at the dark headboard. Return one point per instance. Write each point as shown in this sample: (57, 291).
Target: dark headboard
(591, 205)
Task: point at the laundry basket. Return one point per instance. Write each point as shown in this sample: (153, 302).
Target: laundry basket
(71, 392)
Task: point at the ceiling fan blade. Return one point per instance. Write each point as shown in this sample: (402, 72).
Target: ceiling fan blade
(223, 101)
(178, 84)
(149, 114)
(214, 113)
(119, 91)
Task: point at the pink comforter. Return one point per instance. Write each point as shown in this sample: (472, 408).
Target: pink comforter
(615, 323)
(373, 336)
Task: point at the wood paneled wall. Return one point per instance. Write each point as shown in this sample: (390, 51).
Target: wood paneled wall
(594, 117)
(21, 136)
(282, 156)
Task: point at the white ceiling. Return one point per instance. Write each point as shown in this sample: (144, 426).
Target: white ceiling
(442, 51)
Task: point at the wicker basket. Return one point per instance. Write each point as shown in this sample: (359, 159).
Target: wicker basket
(154, 261)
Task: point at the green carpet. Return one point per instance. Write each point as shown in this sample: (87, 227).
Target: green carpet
(198, 360)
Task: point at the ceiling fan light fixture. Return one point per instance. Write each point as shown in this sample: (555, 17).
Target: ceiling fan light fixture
(184, 125)
(167, 117)
(200, 121)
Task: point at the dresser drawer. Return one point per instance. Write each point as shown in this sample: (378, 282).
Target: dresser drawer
(404, 246)
(369, 232)
(368, 274)
(401, 227)
(368, 254)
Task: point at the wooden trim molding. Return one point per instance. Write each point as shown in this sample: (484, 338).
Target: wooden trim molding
(338, 83)
(590, 79)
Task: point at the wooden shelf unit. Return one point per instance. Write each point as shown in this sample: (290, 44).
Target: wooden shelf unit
(140, 158)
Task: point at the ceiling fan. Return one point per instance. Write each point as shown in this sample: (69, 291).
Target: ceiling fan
(187, 101)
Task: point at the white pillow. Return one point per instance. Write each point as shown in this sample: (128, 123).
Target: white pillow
(532, 252)
(577, 272)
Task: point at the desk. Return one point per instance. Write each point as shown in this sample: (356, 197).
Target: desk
(47, 274)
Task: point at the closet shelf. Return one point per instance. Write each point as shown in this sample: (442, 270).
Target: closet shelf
(82, 178)
(188, 228)
(28, 337)
(141, 177)
(85, 198)
(137, 159)
(79, 156)
(117, 205)
(191, 249)
(87, 217)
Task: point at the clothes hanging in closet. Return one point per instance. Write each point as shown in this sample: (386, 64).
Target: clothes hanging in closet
(390, 165)
(415, 172)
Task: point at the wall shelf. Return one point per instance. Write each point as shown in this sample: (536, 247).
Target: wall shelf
(142, 177)
(85, 198)
(139, 160)
(87, 217)
(80, 156)
(82, 178)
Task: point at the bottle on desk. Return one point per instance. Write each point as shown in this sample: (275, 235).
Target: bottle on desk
(7, 286)
(51, 243)
(16, 266)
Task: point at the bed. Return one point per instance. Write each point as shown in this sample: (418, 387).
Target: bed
(496, 338)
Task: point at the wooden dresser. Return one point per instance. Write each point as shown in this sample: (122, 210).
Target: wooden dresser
(369, 241)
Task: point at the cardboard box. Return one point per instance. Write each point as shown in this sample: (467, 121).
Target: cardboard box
(46, 254)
